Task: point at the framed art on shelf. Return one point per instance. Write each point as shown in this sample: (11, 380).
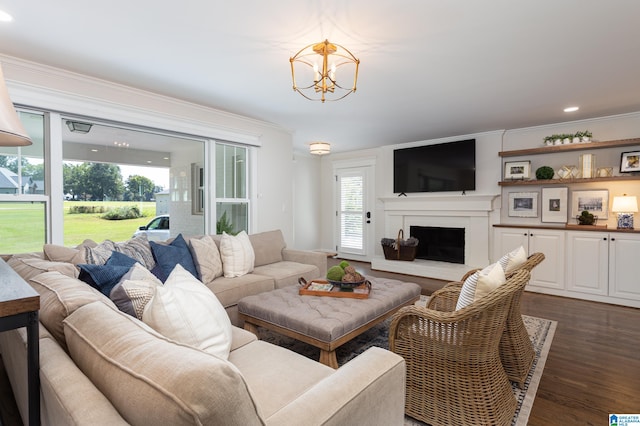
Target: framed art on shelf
(630, 162)
(595, 202)
(554, 205)
(517, 170)
(523, 204)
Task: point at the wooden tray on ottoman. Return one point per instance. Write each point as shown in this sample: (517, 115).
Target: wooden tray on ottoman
(324, 288)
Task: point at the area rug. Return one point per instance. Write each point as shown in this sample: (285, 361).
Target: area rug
(540, 330)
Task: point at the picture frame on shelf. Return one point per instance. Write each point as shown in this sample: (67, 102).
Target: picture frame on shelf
(517, 170)
(523, 204)
(630, 162)
(554, 205)
(595, 202)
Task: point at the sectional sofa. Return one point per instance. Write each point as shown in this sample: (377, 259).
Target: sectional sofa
(100, 365)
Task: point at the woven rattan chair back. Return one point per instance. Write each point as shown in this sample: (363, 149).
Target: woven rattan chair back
(454, 372)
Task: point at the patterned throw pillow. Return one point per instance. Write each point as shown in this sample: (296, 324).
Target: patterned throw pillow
(135, 290)
(137, 248)
(480, 284)
(513, 260)
(167, 256)
(105, 277)
(237, 255)
(185, 310)
(206, 257)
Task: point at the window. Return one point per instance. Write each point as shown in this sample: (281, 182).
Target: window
(23, 195)
(232, 201)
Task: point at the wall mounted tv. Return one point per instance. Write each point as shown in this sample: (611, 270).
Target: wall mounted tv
(441, 167)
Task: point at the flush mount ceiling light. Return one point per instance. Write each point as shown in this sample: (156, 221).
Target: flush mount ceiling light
(12, 132)
(318, 66)
(319, 148)
(78, 127)
(571, 109)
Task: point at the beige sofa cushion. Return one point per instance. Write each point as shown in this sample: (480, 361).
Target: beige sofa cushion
(29, 267)
(267, 247)
(206, 256)
(277, 376)
(237, 255)
(287, 273)
(58, 253)
(230, 290)
(68, 395)
(152, 380)
(60, 296)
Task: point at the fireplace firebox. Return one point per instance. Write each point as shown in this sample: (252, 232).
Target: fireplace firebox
(439, 243)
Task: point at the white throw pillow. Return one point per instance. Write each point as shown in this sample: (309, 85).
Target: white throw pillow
(513, 260)
(237, 254)
(206, 256)
(185, 310)
(480, 284)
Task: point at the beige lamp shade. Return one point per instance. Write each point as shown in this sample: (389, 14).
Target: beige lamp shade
(319, 148)
(12, 132)
(625, 204)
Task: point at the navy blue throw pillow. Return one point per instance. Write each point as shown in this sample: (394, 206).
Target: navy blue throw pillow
(105, 277)
(168, 256)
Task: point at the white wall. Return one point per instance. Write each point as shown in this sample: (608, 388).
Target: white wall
(307, 203)
(487, 176)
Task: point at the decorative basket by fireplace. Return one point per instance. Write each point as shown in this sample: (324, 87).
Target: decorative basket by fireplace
(400, 249)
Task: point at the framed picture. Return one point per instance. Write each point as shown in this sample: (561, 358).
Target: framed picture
(517, 170)
(595, 202)
(630, 162)
(554, 204)
(523, 204)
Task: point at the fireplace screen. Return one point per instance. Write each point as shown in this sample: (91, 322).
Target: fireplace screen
(441, 244)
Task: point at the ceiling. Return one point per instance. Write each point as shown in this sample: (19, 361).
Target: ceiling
(429, 68)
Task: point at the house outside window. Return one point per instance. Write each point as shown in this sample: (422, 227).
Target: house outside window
(23, 198)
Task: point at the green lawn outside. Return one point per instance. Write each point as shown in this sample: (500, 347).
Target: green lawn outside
(22, 225)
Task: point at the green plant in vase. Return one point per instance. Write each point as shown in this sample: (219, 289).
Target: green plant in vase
(586, 218)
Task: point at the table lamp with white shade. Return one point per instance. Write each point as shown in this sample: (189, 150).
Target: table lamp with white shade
(625, 206)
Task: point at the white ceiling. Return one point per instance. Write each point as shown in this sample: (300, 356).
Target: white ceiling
(429, 68)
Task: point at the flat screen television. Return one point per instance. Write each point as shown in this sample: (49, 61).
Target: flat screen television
(449, 166)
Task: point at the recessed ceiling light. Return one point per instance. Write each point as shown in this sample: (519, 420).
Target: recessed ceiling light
(571, 109)
(5, 17)
(94, 150)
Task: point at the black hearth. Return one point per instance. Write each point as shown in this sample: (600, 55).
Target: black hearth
(441, 244)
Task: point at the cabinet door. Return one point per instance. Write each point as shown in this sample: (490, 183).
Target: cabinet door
(551, 272)
(509, 239)
(588, 262)
(624, 252)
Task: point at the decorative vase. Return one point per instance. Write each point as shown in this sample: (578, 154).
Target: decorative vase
(557, 142)
(576, 139)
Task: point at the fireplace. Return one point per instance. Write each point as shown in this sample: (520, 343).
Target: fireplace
(439, 243)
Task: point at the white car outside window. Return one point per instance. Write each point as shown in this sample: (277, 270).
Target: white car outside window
(157, 229)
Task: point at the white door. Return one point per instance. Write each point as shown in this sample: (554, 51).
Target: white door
(353, 213)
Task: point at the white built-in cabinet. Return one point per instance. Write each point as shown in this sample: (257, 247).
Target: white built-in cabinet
(592, 265)
(550, 273)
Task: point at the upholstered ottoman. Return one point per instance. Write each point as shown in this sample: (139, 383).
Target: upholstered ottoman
(323, 321)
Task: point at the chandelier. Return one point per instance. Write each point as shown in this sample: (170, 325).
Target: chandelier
(318, 66)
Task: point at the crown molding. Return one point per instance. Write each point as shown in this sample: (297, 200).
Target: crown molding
(34, 85)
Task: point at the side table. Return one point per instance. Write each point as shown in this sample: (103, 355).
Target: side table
(19, 306)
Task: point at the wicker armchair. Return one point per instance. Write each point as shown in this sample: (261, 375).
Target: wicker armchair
(454, 372)
(516, 349)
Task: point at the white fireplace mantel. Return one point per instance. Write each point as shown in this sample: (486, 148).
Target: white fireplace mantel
(471, 212)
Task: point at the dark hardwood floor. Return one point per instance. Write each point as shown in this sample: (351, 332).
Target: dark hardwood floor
(593, 367)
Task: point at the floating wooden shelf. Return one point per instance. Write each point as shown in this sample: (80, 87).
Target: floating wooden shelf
(566, 181)
(570, 147)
